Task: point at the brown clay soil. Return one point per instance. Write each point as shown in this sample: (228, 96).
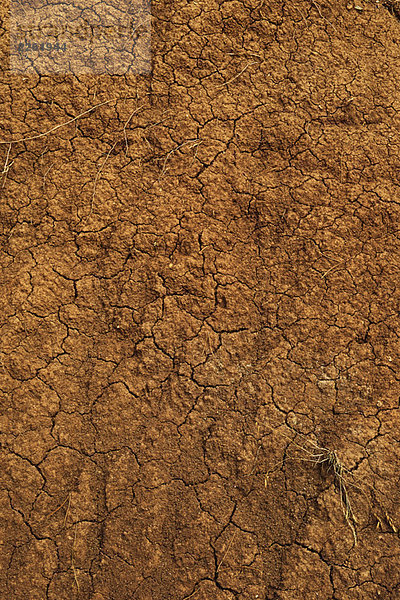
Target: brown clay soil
(200, 284)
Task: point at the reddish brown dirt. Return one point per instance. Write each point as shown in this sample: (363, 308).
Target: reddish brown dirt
(187, 289)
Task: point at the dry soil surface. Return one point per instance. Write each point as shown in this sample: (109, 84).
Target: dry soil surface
(199, 305)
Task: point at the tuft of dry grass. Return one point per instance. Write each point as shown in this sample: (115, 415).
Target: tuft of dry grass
(330, 461)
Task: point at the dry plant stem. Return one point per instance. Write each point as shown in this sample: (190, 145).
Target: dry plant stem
(321, 15)
(40, 135)
(379, 523)
(67, 511)
(73, 559)
(333, 267)
(236, 76)
(97, 176)
(195, 154)
(226, 551)
(195, 142)
(7, 166)
(61, 505)
(191, 595)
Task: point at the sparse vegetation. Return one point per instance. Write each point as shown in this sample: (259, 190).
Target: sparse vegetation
(329, 459)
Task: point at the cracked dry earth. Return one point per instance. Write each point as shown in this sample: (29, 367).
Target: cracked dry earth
(200, 283)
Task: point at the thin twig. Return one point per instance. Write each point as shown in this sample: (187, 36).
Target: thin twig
(67, 511)
(58, 507)
(7, 166)
(5, 169)
(227, 548)
(321, 15)
(236, 76)
(97, 176)
(73, 559)
(196, 143)
(39, 135)
(333, 267)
